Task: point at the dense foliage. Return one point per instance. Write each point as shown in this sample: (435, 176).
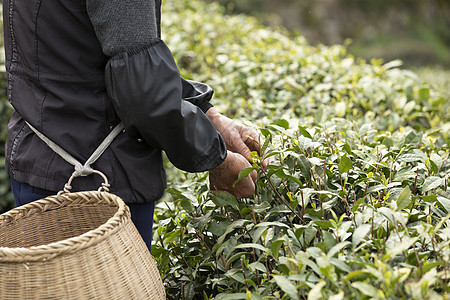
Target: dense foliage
(414, 30)
(356, 203)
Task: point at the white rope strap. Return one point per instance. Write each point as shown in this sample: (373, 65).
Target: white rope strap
(80, 169)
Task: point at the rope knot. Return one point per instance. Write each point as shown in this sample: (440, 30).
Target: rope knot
(82, 171)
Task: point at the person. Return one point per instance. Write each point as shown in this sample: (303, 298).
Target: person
(76, 69)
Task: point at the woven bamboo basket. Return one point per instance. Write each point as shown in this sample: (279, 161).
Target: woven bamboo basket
(75, 246)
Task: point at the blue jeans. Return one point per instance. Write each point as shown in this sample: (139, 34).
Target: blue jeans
(141, 214)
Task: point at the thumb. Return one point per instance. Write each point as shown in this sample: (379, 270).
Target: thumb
(244, 188)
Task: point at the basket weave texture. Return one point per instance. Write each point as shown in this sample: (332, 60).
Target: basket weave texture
(75, 246)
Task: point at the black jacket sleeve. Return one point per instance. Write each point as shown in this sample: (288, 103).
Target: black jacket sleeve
(154, 102)
(197, 93)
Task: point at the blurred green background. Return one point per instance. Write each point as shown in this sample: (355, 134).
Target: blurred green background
(415, 31)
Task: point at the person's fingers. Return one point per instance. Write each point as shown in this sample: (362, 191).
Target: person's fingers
(245, 164)
(267, 160)
(254, 176)
(254, 144)
(244, 188)
(251, 139)
(241, 148)
(223, 177)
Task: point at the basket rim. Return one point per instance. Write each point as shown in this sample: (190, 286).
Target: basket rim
(70, 245)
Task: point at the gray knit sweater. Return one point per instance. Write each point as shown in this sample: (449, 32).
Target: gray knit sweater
(122, 25)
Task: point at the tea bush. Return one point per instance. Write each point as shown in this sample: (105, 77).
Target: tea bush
(356, 203)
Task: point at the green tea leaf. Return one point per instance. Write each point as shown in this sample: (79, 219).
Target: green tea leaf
(185, 200)
(219, 228)
(413, 139)
(424, 94)
(328, 239)
(404, 174)
(231, 228)
(434, 167)
(337, 248)
(235, 256)
(323, 224)
(430, 198)
(444, 202)
(307, 143)
(357, 204)
(427, 266)
(244, 173)
(235, 274)
(305, 167)
(256, 296)
(256, 234)
(316, 292)
(304, 132)
(309, 235)
(280, 173)
(271, 224)
(283, 123)
(366, 289)
(199, 223)
(404, 198)
(345, 164)
(340, 264)
(222, 199)
(360, 274)
(400, 247)
(411, 157)
(360, 233)
(253, 284)
(251, 245)
(233, 296)
(431, 183)
(376, 188)
(257, 266)
(275, 247)
(286, 286)
(186, 204)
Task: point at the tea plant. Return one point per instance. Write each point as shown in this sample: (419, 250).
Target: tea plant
(356, 202)
(262, 75)
(341, 213)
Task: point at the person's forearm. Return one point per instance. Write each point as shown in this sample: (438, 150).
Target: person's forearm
(223, 177)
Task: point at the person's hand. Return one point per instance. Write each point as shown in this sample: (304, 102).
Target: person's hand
(223, 177)
(238, 138)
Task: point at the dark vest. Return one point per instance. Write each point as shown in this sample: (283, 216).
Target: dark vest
(55, 67)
